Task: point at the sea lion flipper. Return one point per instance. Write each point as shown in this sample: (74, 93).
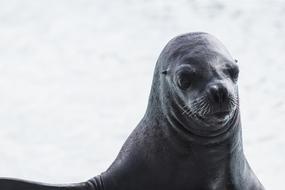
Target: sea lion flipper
(17, 184)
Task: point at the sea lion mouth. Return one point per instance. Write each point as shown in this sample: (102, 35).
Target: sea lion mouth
(209, 117)
(215, 118)
(219, 115)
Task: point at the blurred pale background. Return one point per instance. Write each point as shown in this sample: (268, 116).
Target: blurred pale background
(75, 78)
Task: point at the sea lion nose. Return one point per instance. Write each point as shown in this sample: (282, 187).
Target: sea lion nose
(218, 93)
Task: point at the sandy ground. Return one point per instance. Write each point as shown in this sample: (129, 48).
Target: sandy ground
(75, 78)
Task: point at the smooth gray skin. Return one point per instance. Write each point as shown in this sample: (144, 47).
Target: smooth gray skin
(173, 149)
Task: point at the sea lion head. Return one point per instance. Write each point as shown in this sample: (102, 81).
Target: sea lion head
(198, 81)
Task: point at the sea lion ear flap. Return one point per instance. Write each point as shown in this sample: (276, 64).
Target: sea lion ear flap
(236, 60)
(164, 72)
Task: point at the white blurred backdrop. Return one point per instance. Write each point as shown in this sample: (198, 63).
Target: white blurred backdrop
(75, 78)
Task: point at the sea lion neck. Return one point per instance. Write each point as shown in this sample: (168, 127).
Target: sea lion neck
(174, 153)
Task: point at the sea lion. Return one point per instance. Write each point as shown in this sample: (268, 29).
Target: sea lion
(190, 136)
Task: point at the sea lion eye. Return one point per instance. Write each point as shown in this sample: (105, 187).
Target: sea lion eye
(184, 79)
(233, 72)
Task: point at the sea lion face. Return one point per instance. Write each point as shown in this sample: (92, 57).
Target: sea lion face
(205, 79)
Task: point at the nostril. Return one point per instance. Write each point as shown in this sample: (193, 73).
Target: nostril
(223, 93)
